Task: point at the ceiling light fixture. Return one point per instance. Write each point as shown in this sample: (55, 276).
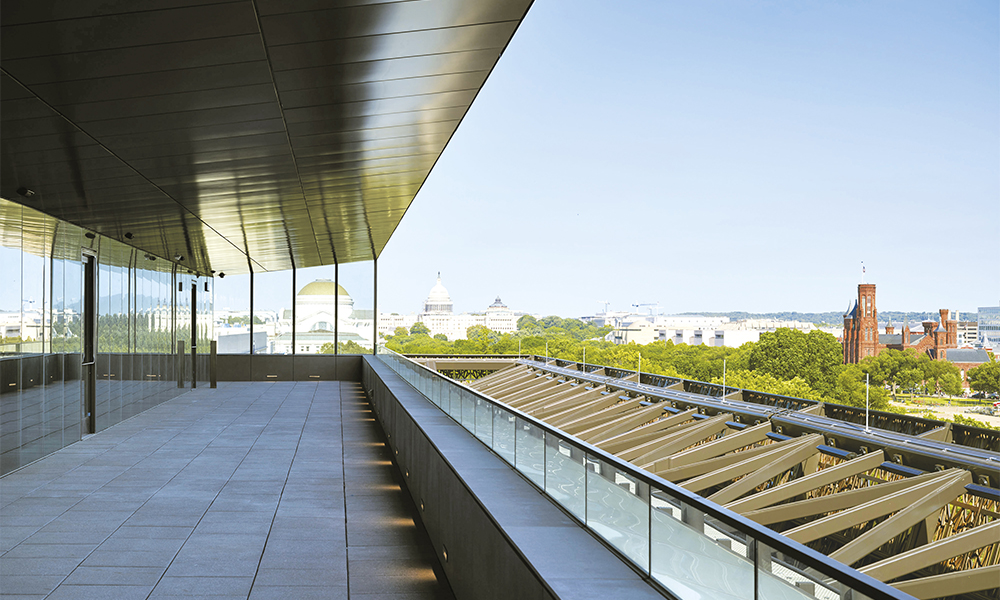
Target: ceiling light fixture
(90, 235)
(23, 191)
(128, 235)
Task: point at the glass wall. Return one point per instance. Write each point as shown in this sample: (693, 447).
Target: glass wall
(331, 304)
(355, 333)
(318, 304)
(232, 314)
(272, 312)
(41, 332)
(144, 307)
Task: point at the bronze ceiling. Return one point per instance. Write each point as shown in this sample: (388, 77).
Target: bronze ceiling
(278, 133)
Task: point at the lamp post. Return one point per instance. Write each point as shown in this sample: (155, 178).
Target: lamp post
(866, 403)
(723, 377)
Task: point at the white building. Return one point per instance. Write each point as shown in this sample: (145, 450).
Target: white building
(439, 317)
(26, 325)
(318, 306)
(691, 329)
(989, 326)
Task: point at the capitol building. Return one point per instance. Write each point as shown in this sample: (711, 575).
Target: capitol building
(439, 316)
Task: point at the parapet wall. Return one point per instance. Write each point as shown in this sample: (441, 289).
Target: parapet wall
(496, 536)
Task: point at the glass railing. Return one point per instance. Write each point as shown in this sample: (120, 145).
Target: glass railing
(693, 548)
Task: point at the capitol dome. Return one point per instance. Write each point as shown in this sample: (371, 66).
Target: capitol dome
(438, 301)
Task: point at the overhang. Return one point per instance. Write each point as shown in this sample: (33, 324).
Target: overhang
(252, 134)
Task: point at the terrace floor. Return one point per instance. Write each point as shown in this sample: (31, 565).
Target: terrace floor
(252, 490)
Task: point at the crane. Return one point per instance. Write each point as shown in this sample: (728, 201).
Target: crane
(656, 305)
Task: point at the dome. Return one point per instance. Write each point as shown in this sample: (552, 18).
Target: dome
(438, 300)
(323, 287)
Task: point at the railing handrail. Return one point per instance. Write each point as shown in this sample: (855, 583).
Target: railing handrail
(832, 568)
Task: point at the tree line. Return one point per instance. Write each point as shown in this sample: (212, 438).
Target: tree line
(787, 362)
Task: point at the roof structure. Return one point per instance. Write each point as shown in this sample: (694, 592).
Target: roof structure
(230, 136)
(968, 355)
(890, 338)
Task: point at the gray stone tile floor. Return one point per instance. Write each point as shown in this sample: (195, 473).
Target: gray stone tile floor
(253, 490)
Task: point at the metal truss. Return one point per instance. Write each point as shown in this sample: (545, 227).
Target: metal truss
(909, 504)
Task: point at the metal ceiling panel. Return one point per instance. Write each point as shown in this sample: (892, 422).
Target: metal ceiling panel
(233, 133)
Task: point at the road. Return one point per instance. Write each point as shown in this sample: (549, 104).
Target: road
(951, 411)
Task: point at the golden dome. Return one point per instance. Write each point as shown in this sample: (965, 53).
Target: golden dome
(323, 287)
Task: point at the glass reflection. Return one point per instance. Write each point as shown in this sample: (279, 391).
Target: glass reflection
(41, 333)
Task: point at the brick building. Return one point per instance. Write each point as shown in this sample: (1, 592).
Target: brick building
(937, 339)
(861, 326)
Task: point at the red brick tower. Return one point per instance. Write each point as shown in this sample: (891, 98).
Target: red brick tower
(861, 326)
(867, 321)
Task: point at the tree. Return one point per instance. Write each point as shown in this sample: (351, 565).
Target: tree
(438, 336)
(894, 368)
(419, 329)
(788, 353)
(767, 383)
(909, 378)
(942, 376)
(527, 322)
(623, 356)
(850, 390)
(553, 326)
(963, 420)
(478, 333)
(400, 332)
(985, 377)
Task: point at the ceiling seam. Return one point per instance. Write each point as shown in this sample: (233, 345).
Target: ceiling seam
(405, 31)
(114, 14)
(144, 73)
(251, 104)
(132, 47)
(288, 137)
(389, 58)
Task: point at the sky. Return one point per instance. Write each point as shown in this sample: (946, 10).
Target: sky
(720, 156)
(708, 157)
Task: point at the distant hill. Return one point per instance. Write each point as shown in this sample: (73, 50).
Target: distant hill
(832, 318)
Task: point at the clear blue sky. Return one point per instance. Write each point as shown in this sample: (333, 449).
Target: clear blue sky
(716, 156)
